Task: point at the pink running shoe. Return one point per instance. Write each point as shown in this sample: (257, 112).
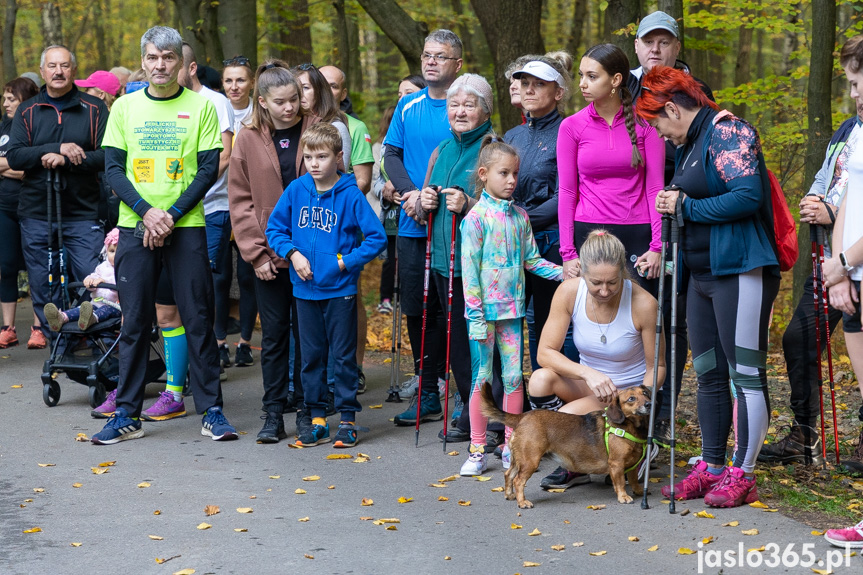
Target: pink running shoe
(850, 536)
(695, 485)
(164, 408)
(734, 490)
(107, 408)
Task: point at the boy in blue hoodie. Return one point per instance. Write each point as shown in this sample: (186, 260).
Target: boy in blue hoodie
(325, 226)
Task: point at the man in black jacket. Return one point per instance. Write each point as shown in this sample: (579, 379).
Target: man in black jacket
(60, 130)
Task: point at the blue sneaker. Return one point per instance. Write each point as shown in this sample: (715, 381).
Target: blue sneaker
(120, 427)
(346, 435)
(316, 435)
(458, 406)
(430, 410)
(214, 424)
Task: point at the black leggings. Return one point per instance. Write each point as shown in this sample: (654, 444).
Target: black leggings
(729, 318)
(11, 258)
(388, 270)
(635, 239)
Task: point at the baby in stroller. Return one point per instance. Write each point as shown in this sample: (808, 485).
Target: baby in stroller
(104, 305)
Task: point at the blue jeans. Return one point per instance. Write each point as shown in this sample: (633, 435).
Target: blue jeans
(218, 250)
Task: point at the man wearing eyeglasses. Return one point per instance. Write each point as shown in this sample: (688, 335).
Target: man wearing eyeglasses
(419, 124)
(60, 130)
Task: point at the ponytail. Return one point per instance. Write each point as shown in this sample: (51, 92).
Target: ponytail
(629, 119)
(490, 150)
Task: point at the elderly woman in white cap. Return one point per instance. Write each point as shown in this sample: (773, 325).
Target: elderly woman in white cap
(449, 193)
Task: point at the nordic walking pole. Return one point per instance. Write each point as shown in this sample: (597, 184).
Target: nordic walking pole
(829, 351)
(50, 195)
(666, 225)
(817, 286)
(448, 327)
(395, 352)
(57, 186)
(675, 238)
(425, 320)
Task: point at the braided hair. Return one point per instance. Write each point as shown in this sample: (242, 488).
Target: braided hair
(614, 61)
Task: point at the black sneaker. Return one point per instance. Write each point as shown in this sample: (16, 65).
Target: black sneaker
(244, 355)
(662, 433)
(562, 478)
(493, 439)
(274, 428)
(361, 382)
(331, 404)
(854, 463)
(346, 436)
(225, 355)
(794, 448)
(304, 423)
(454, 435)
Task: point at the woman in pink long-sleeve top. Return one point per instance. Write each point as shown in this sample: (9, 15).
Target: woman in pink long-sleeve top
(610, 168)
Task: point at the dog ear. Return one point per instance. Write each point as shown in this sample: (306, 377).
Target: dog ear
(615, 413)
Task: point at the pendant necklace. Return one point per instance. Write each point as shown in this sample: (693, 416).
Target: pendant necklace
(599, 324)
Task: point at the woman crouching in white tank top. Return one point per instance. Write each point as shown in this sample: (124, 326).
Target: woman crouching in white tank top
(614, 329)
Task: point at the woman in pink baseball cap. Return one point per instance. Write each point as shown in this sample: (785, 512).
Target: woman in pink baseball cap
(101, 84)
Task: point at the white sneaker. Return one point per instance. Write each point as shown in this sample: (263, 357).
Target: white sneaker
(409, 388)
(506, 456)
(476, 462)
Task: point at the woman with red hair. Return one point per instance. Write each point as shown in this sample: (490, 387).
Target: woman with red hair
(721, 191)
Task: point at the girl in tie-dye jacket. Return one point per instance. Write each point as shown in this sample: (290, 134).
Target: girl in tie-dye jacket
(497, 246)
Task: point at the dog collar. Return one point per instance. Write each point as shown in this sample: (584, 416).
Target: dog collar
(611, 430)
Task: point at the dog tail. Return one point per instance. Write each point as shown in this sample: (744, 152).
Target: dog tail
(491, 411)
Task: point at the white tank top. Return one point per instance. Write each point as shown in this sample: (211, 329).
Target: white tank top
(621, 357)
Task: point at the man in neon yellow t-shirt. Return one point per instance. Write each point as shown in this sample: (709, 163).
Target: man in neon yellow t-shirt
(162, 149)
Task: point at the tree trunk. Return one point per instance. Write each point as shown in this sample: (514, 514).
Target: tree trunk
(511, 30)
(99, 29)
(674, 8)
(240, 34)
(406, 33)
(73, 45)
(698, 59)
(52, 25)
(579, 23)
(820, 126)
(463, 31)
(188, 12)
(10, 71)
(290, 31)
(619, 15)
(341, 47)
(742, 70)
(215, 54)
(354, 72)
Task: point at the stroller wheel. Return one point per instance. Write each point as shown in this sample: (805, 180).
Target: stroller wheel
(51, 393)
(97, 393)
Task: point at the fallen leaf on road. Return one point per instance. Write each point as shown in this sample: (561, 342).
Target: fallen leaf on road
(99, 470)
(750, 531)
(155, 537)
(822, 571)
(361, 458)
(497, 489)
(75, 544)
(32, 530)
(46, 464)
(731, 524)
(705, 515)
(633, 538)
(253, 496)
(450, 478)
(275, 476)
(157, 512)
(331, 487)
(596, 507)
(244, 510)
(654, 548)
(707, 540)
(655, 479)
(392, 528)
(307, 556)
(684, 513)
(303, 519)
(28, 501)
(558, 547)
(299, 491)
(685, 551)
(756, 549)
(366, 518)
(770, 510)
(339, 456)
(143, 485)
(758, 505)
(556, 490)
(442, 498)
(464, 503)
(241, 530)
(405, 499)
(107, 463)
(160, 561)
(378, 406)
(578, 544)
(82, 437)
(515, 526)
(483, 478)
(77, 485)
(211, 510)
(390, 520)
(312, 478)
(598, 553)
(17, 386)
(183, 572)
(530, 564)
(438, 485)
(453, 453)
(817, 533)
(367, 502)
(566, 521)
(203, 526)
(535, 532)
(682, 463)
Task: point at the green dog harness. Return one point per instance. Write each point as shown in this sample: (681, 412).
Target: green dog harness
(609, 430)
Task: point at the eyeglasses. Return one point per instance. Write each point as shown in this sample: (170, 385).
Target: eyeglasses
(236, 61)
(437, 58)
(306, 67)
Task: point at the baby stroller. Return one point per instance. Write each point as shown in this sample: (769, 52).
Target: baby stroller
(90, 357)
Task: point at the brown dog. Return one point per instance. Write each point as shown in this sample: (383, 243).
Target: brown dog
(576, 441)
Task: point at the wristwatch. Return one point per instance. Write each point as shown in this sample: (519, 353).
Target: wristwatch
(844, 261)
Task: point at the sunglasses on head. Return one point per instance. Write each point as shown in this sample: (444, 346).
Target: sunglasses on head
(306, 67)
(236, 61)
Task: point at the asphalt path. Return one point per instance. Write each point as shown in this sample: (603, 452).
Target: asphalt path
(150, 503)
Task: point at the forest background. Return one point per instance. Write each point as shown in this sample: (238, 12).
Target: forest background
(772, 62)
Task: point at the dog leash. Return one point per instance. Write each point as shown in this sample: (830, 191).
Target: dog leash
(610, 430)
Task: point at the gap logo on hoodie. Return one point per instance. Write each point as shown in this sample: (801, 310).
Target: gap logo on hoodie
(321, 219)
